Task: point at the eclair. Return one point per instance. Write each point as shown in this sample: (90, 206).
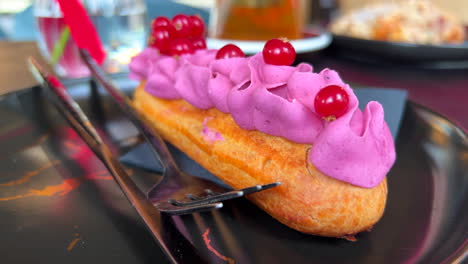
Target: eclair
(249, 121)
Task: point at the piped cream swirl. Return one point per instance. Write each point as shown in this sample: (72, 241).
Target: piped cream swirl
(356, 148)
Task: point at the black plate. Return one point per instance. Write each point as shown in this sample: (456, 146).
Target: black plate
(86, 219)
(425, 55)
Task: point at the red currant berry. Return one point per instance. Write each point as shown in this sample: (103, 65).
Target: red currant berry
(331, 102)
(161, 38)
(160, 21)
(198, 27)
(180, 46)
(229, 51)
(279, 52)
(198, 43)
(182, 26)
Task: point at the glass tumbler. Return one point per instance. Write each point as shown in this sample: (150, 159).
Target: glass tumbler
(258, 19)
(121, 26)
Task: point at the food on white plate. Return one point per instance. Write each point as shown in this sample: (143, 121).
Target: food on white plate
(414, 21)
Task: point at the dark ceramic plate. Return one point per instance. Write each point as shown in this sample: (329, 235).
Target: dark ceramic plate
(59, 205)
(425, 55)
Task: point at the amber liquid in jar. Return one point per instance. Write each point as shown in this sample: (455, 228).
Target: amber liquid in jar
(259, 20)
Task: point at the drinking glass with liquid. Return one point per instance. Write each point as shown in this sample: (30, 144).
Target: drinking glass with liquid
(258, 19)
(121, 26)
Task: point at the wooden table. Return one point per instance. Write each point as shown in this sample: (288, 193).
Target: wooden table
(14, 74)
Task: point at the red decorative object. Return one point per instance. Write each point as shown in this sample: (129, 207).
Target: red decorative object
(279, 52)
(197, 26)
(160, 21)
(161, 38)
(82, 29)
(180, 46)
(229, 51)
(198, 43)
(182, 26)
(331, 102)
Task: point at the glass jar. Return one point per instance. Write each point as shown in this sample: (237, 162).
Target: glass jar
(121, 25)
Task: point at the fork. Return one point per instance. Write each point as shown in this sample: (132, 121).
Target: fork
(178, 192)
(183, 250)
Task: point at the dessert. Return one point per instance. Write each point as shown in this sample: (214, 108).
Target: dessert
(415, 21)
(250, 122)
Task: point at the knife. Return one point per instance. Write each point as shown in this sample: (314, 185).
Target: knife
(175, 246)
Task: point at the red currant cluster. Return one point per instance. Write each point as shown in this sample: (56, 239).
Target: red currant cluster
(331, 102)
(275, 52)
(181, 35)
(185, 34)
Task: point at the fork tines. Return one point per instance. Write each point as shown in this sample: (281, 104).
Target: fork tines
(168, 208)
(172, 206)
(174, 177)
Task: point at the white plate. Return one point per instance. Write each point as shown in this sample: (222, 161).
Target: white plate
(250, 47)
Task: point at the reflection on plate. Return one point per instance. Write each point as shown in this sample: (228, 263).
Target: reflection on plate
(307, 44)
(425, 220)
(365, 49)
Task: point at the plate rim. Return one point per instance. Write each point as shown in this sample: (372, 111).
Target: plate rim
(462, 46)
(461, 253)
(456, 256)
(460, 128)
(303, 45)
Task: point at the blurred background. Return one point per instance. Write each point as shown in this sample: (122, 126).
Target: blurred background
(17, 16)
(124, 25)
(17, 23)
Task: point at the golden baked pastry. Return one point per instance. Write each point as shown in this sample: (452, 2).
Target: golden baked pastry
(257, 120)
(307, 200)
(414, 21)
